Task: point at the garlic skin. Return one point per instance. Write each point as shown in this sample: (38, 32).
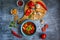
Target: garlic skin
(38, 6)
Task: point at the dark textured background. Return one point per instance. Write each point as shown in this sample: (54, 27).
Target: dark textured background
(52, 18)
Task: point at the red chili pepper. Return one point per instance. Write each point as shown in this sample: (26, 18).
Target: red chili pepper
(43, 5)
(15, 34)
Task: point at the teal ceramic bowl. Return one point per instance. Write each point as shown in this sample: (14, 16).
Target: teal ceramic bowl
(22, 27)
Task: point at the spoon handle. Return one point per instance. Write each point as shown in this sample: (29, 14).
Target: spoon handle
(22, 19)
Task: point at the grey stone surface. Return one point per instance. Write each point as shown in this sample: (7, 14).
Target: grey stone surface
(52, 18)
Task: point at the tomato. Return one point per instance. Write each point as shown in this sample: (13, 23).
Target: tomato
(43, 29)
(43, 5)
(31, 4)
(28, 11)
(46, 25)
(43, 36)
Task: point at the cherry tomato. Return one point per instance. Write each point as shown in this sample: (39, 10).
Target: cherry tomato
(28, 11)
(46, 25)
(43, 29)
(43, 36)
(31, 4)
(43, 5)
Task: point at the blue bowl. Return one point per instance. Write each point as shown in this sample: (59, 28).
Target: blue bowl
(21, 25)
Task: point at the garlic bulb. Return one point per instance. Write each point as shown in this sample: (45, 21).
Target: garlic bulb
(37, 6)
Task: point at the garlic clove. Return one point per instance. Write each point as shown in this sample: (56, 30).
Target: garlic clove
(38, 6)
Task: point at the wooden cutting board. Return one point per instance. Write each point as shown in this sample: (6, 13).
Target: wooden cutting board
(38, 17)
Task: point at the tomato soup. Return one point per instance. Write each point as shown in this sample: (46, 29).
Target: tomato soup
(29, 28)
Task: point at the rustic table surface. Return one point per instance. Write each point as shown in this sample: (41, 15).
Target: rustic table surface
(52, 18)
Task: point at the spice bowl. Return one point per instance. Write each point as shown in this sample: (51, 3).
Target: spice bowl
(20, 3)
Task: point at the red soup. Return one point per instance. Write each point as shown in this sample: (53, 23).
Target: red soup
(29, 28)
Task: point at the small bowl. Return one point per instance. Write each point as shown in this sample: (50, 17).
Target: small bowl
(22, 26)
(22, 4)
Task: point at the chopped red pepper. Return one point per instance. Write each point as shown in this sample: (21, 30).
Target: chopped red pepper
(31, 31)
(15, 34)
(43, 5)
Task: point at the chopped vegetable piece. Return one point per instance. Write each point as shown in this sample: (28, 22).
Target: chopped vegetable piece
(24, 28)
(26, 25)
(31, 31)
(28, 28)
